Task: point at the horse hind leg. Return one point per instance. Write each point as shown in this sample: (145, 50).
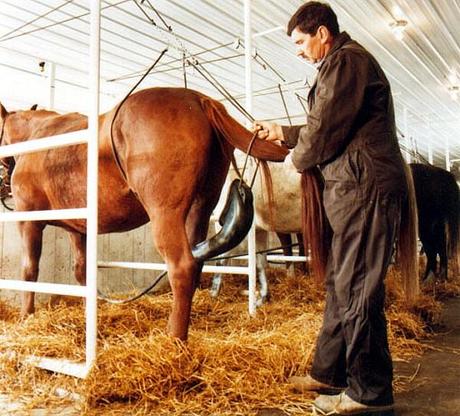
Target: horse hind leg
(31, 241)
(199, 215)
(171, 242)
(441, 243)
(430, 251)
(303, 267)
(197, 225)
(286, 243)
(261, 266)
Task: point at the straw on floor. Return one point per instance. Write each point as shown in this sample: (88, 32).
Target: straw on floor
(231, 364)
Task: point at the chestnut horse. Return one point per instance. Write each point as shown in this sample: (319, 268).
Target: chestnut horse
(173, 146)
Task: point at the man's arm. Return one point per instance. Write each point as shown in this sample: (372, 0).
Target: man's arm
(291, 135)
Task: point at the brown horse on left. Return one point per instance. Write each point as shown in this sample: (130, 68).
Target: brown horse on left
(174, 147)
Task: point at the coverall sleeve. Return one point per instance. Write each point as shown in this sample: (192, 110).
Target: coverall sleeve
(339, 98)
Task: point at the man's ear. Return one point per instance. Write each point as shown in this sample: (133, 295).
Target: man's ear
(3, 112)
(324, 34)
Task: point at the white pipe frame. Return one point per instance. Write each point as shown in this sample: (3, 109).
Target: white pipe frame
(92, 186)
(406, 133)
(89, 291)
(91, 211)
(51, 85)
(447, 155)
(252, 262)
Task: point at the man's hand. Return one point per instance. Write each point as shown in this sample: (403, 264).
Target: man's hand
(267, 130)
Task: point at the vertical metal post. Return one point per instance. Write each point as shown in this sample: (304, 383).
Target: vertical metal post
(51, 84)
(447, 155)
(429, 141)
(430, 151)
(406, 134)
(248, 83)
(92, 184)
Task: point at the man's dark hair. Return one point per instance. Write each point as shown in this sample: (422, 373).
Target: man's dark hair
(313, 14)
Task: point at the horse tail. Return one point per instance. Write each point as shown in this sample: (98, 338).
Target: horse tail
(238, 136)
(407, 241)
(315, 227)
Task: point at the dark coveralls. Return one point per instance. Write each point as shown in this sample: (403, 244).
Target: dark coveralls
(351, 134)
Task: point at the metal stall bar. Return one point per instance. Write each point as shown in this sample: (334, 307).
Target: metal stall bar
(78, 137)
(90, 213)
(45, 143)
(52, 288)
(162, 266)
(92, 185)
(65, 366)
(52, 214)
(252, 267)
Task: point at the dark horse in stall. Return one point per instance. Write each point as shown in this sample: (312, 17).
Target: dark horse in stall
(438, 203)
(174, 146)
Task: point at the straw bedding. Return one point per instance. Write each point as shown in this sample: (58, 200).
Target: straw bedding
(232, 363)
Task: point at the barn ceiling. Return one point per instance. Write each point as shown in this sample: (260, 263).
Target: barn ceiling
(423, 67)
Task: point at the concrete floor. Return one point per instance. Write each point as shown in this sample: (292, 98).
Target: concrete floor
(436, 390)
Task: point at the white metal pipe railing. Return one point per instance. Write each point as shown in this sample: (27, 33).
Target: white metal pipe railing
(162, 266)
(447, 155)
(70, 368)
(430, 149)
(51, 84)
(252, 266)
(92, 187)
(52, 214)
(90, 136)
(51, 288)
(277, 257)
(406, 134)
(45, 143)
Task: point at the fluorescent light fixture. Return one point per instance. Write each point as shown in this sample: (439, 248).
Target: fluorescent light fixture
(397, 12)
(398, 27)
(453, 77)
(453, 91)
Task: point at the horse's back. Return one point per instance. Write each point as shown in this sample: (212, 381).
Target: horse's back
(163, 127)
(56, 178)
(170, 111)
(45, 123)
(436, 189)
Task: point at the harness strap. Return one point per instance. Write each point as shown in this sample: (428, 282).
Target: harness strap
(112, 143)
(241, 175)
(3, 131)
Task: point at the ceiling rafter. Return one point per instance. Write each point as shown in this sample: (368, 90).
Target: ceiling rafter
(417, 68)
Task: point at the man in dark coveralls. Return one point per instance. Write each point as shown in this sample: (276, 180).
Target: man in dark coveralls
(351, 135)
